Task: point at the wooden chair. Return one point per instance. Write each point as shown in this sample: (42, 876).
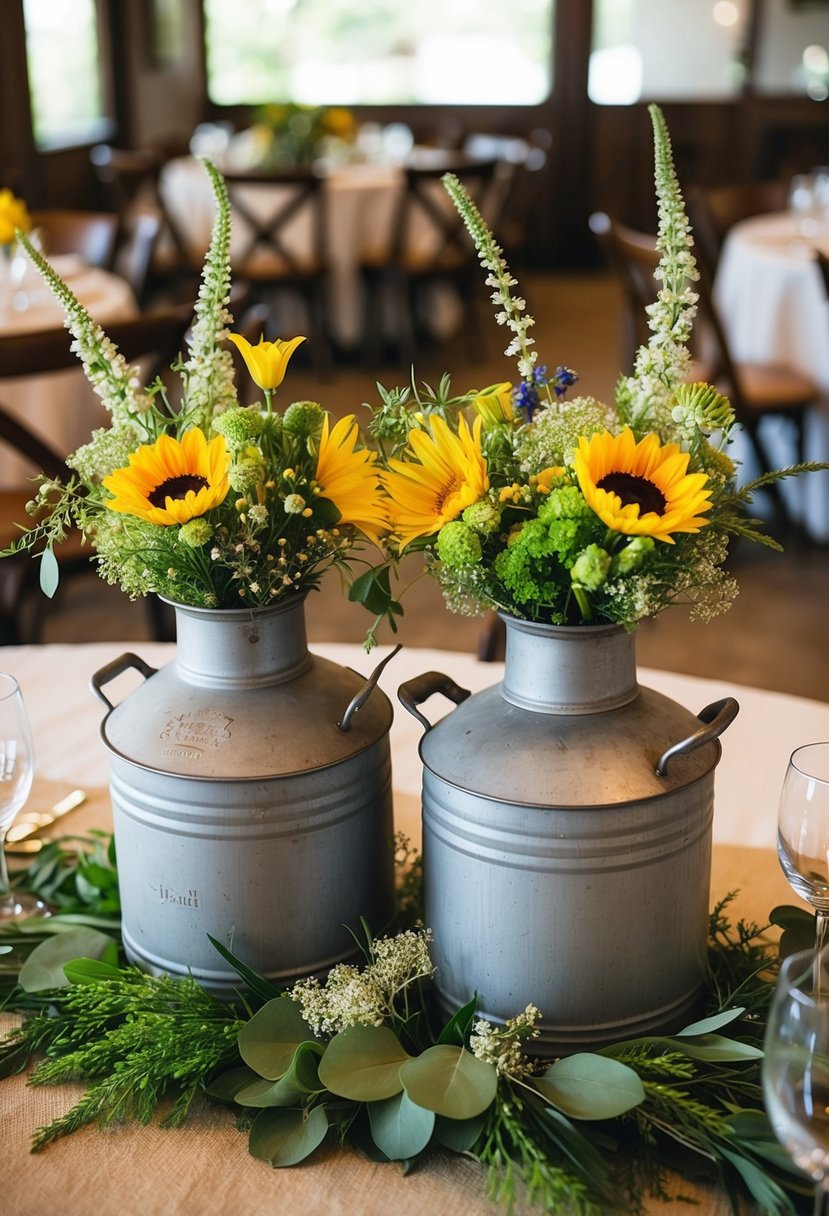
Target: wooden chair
(90, 234)
(283, 213)
(715, 210)
(130, 182)
(756, 391)
(155, 339)
(441, 254)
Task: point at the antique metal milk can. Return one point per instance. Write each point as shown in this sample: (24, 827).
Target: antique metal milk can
(567, 818)
(251, 796)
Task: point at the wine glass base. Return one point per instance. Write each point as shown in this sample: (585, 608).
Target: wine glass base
(20, 907)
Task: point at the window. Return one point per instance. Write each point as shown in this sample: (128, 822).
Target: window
(64, 71)
(318, 52)
(651, 49)
(794, 49)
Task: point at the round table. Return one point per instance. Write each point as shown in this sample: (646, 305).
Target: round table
(60, 406)
(361, 203)
(774, 307)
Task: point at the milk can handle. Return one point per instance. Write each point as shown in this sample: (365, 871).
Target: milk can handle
(716, 717)
(110, 670)
(362, 695)
(413, 692)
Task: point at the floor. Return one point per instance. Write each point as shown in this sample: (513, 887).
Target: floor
(776, 635)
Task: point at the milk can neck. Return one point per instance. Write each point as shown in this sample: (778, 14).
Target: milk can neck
(233, 648)
(568, 669)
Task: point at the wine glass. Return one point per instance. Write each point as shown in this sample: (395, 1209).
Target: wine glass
(16, 771)
(796, 1068)
(803, 830)
(802, 202)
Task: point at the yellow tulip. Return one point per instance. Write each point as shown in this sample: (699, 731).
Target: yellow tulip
(494, 404)
(13, 215)
(267, 361)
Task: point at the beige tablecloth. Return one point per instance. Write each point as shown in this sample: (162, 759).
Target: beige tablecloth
(204, 1169)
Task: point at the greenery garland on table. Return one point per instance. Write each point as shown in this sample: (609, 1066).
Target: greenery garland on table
(365, 1055)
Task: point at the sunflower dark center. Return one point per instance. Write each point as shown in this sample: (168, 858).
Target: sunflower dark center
(632, 489)
(176, 487)
(446, 492)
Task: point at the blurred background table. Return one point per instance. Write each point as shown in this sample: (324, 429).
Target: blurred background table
(774, 305)
(61, 407)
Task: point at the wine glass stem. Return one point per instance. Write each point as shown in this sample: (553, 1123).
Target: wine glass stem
(821, 941)
(5, 885)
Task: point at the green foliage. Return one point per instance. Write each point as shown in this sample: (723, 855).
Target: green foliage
(588, 1133)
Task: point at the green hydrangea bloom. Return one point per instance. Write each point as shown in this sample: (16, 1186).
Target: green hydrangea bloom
(239, 426)
(591, 568)
(195, 533)
(247, 473)
(458, 545)
(483, 516)
(632, 557)
(304, 419)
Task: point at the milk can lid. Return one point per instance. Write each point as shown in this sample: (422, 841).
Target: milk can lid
(173, 726)
(499, 751)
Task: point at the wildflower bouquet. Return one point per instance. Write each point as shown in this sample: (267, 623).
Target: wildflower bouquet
(207, 502)
(574, 511)
(290, 134)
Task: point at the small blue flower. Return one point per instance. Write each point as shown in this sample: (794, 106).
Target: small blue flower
(563, 379)
(525, 397)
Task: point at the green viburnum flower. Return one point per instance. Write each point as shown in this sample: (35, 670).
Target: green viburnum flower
(195, 533)
(304, 419)
(248, 472)
(631, 558)
(458, 545)
(239, 426)
(700, 407)
(483, 516)
(591, 568)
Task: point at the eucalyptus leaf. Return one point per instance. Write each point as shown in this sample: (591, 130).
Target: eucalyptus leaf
(715, 1022)
(225, 1087)
(450, 1081)
(458, 1135)
(587, 1086)
(769, 1196)
(268, 1041)
(44, 968)
(399, 1128)
(716, 1047)
(363, 1063)
(49, 572)
(787, 916)
(286, 1137)
(300, 1080)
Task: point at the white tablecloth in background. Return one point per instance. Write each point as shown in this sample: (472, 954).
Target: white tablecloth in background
(360, 199)
(774, 307)
(60, 406)
(66, 718)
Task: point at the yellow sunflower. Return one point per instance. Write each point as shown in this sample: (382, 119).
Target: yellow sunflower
(350, 478)
(641, 489)
(169, 482)
(446, 473)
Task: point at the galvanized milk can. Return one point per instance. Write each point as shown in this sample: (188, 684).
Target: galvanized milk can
(567, 819)
(251, 797)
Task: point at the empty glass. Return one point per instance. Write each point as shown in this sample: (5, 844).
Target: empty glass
(803, 203)
(796, 1068)
(803, 830)
(16, 772)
